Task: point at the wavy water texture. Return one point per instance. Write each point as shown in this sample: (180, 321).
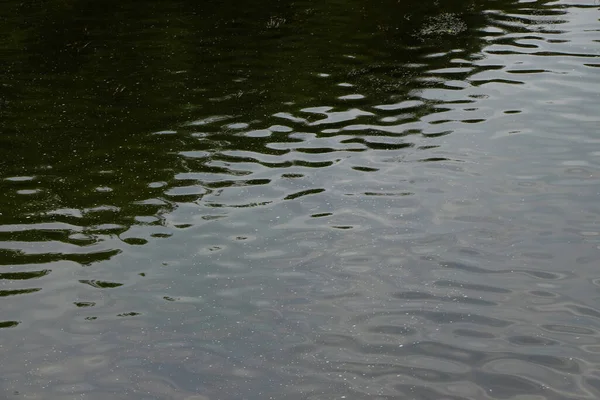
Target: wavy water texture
(305, 201)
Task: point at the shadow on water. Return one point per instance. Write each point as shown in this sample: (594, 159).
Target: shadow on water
(312, 200)
(85, 86)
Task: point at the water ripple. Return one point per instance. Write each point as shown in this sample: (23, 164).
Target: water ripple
(311, 201)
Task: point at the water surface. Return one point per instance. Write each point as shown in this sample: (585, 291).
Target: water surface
(306, 200)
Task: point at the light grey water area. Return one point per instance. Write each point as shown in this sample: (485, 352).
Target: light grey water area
(300, 200)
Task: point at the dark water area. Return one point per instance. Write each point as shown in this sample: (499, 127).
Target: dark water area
(301, 200)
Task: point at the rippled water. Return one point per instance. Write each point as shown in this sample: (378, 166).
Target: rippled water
(313, 200)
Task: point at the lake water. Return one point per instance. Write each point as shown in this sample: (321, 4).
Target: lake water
(300, 200)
